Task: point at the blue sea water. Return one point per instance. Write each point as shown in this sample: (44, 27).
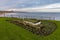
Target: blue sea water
(38, 14)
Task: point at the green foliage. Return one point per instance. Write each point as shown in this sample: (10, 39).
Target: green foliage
(9, 31)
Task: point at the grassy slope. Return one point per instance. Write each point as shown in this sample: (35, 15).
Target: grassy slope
(9, 31)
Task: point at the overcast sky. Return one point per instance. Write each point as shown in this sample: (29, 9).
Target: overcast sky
(6, 4)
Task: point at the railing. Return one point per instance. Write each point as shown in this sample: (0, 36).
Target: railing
(32, 17)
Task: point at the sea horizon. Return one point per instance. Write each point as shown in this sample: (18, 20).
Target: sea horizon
(36, 14)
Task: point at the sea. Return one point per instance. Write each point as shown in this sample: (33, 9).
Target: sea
(47, 15)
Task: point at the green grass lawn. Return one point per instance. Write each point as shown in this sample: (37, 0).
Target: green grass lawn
(10, 31)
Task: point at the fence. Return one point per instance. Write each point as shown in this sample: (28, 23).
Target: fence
(32, 17)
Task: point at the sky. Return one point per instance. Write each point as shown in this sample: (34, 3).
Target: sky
(7, 4)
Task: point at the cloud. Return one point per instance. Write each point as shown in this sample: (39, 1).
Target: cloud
(55, 5)
(6, 4)
(50, 6)
(47, 8)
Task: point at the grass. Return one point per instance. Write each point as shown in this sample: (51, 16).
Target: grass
(9, 31)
